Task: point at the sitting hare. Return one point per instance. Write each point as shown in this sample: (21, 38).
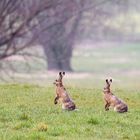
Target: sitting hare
(62, 94)
(112, 100)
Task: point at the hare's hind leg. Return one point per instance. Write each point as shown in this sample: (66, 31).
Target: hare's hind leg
(120, 108)
(124, 109)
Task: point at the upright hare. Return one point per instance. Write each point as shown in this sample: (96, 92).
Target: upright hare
(112, 100)
(62, 94)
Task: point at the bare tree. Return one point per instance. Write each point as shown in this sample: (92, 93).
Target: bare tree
(52, 23)
(17, 22)
(15, 33)
(58, 41)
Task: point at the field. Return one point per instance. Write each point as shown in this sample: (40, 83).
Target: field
(27, 111)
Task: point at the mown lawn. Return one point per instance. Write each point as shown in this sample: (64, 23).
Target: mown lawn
(27, 112)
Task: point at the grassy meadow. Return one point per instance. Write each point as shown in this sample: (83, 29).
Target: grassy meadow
(27, 111)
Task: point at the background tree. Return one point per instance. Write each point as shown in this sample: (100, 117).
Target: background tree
(58, 41)
(68, 17)
(55, 25)
(15, 32)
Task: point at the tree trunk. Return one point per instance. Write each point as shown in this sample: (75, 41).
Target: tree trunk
(57, 58)
(58, 41)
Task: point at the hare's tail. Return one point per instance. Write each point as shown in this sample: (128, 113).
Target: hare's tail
(76, 109)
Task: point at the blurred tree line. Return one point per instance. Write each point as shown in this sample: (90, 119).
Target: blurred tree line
(57, 24)
(111, 21)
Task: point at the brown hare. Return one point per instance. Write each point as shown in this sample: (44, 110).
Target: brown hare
(62, 94)
(112, 100)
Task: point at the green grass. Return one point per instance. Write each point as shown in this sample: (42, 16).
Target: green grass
(123, 57)
(27, 112)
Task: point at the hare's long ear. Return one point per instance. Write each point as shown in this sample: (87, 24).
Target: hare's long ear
(60, 75)
(110, 81)
(107, 81)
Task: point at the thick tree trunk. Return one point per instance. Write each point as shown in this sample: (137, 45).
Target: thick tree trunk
(57, 48)
(58, 42)
(58, 51)
(58, 58)
(57, 33)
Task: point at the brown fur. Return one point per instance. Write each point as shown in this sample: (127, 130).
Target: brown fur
(112, 100)
(62, 95)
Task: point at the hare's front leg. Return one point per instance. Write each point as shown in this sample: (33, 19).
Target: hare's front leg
(56, 100)
(107, 106)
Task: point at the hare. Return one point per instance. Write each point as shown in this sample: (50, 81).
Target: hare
(112, 100)
(62, 94)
